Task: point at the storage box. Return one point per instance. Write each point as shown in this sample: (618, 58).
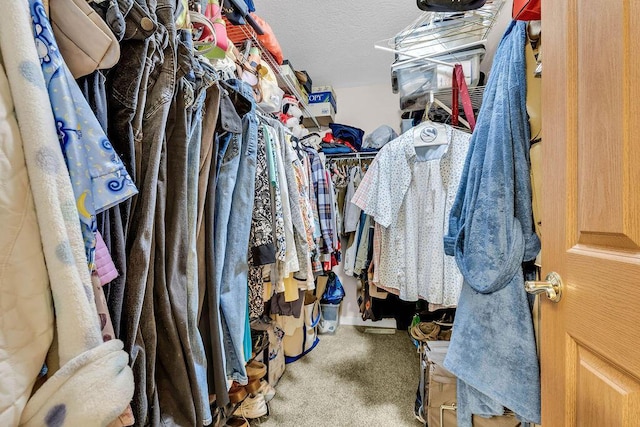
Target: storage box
(322, 97)
(441, 393)
(305, 81)
(414, 80)
(329, 318)
(323, 112)
(286, 76)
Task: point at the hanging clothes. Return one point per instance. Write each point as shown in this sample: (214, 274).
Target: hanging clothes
(491, 233)
(405, 191)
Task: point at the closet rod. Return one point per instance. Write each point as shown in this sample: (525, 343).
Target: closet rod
(356, 156)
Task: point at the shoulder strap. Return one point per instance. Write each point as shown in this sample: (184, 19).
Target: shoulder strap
(459, 87)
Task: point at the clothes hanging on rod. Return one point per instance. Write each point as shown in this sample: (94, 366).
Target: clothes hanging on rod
(408, 192)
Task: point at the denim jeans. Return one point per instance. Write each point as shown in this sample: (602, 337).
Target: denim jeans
(219, 123)
(199, 79)
(141, 89)
(234, 204)
(126, 86)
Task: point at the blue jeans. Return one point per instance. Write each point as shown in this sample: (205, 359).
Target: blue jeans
(234, 204)
(201, 81)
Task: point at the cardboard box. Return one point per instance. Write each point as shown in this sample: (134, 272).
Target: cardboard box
(319, 97)
(324, 89)
(330, 97)
(323, 112)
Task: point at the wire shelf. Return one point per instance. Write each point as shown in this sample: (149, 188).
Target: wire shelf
(443, 32)
(435, 34)
(241, 33)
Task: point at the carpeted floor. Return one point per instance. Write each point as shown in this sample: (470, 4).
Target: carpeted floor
(350, 379)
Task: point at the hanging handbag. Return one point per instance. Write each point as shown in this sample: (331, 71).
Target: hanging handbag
(85, 41)
(526, 10)
(449, 5)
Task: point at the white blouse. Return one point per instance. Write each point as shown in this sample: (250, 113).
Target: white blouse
(410, 195)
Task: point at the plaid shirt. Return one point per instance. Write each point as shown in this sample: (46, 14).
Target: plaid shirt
(362, 192)
(324, 200)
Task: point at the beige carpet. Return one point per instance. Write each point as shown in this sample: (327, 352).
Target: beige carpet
(350, 379)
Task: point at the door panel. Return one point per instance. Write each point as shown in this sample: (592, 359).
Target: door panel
(599, 195)
(590, 356)
(618, 394)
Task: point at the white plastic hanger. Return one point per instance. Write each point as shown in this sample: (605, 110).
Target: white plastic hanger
(429, 133)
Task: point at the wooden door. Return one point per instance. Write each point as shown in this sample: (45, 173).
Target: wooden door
(590, 344)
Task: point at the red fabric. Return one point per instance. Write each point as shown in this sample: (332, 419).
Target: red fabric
(527, 10)
(269, 40)
(459, 86)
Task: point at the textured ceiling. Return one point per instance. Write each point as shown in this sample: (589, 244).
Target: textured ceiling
(334, 39)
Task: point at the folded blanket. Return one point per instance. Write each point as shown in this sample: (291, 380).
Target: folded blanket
(493, 348)
(94, 384)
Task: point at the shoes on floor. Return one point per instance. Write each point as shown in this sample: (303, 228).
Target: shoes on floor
(256, 370)
(236, 422)
(445, 335)
(425, 331)
(237, 393)
(253, 386)
(252, 407)
(266, 390)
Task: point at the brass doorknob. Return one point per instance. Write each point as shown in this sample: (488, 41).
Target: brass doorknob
(552, 287)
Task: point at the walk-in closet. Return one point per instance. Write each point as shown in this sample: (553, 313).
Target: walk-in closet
(319, 214)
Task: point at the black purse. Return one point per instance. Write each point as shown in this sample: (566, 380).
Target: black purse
(449, 5)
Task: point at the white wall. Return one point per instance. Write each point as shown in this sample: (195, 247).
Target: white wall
(365, 107)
